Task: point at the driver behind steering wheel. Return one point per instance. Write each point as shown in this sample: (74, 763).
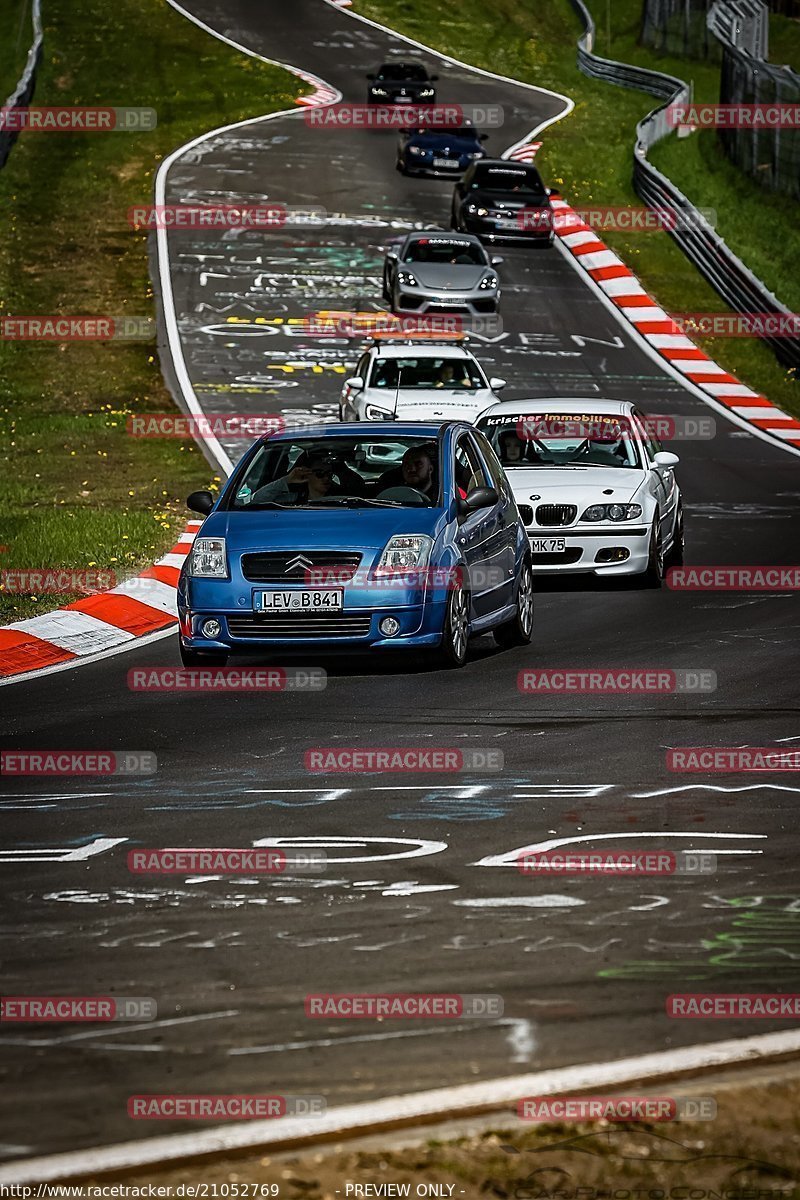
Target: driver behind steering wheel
(417, 470)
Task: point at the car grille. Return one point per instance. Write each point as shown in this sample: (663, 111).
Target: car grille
(549, 515)
(570, 555)
(300, 566)
(311, 625)
(526, 512)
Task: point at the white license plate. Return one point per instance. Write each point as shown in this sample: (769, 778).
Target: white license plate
(317, 600)
(507, 223)
(548, 545)
(446, 162)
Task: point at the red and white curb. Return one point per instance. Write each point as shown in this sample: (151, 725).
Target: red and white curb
(142, 605)
(526, 153)
(626, 294)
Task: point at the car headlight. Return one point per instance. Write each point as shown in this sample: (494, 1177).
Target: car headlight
(405, 552)
(209, 559)
(415, 150)
(377, 91)
(472, 208)
(407, 279)
(425, 92)
(478, 154)
(612, 512)
(373, 413)
(474, 211)
(489, 282)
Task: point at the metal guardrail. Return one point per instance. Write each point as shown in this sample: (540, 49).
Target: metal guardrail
(726, 273)
(743, 24)
(23, 93)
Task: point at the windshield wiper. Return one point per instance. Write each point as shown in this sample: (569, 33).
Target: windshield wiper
(264, 504)
(354, 502)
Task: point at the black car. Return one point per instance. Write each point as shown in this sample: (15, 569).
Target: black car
(439, 151)
(502, 200)
(402, 83)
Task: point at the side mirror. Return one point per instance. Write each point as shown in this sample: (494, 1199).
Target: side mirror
(482, 497)
(497, 385)
(665, 458)
(354, 383)
(496, 259)
(200, 502)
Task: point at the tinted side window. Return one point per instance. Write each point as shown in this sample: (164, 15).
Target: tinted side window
(652, 444)
(470, 471)
(492, 462)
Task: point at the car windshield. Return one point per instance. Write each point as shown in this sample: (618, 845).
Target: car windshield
(339, 472)
(553, 439)
(397, 72)
(469, 132)
(432, 371)
(525, 180)
(445, 251)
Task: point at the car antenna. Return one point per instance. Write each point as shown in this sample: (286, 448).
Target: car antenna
(397, 388)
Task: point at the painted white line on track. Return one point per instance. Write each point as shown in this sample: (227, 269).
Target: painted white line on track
(439, 1104)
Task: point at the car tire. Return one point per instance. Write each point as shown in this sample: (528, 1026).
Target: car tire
(455, 634)
(519, 630)
(653, 575)
(202, 658)
(386, 293)
(676, 552)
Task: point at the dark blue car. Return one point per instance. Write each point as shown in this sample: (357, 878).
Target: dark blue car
(388, 536)
(438, 152)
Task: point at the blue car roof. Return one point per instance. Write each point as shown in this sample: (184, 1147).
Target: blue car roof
(362, 428)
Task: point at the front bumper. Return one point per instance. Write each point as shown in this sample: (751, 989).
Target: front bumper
(420, 613)
(589, 550)
(415, 166)
(475, 302)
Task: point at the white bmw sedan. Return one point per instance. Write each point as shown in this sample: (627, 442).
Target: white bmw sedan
(596, 490)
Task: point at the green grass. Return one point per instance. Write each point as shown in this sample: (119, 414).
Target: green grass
(589, 153)
(76, 488)
(784, 41)
(16, 35)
